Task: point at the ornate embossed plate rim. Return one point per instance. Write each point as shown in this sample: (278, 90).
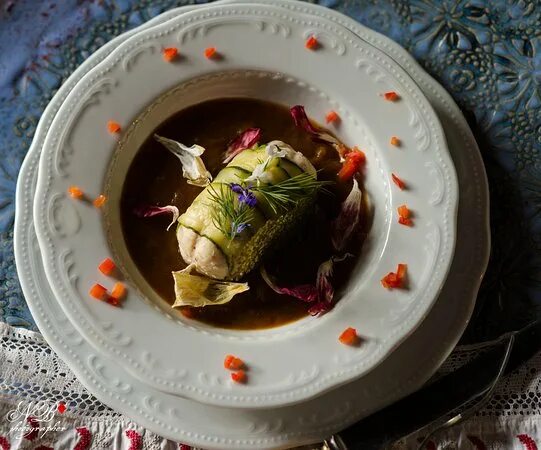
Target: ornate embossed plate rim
(292, 393)
(24, 230)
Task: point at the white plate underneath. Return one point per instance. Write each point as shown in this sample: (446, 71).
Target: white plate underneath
(405, 370)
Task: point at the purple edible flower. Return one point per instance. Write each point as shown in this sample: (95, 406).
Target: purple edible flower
(237, 229)
(246, 196)
(150, 211)
(247, 139)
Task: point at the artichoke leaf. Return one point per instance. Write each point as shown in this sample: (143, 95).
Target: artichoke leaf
(198, 290)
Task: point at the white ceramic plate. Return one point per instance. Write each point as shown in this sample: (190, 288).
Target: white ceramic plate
(298, 361)
(406, 369)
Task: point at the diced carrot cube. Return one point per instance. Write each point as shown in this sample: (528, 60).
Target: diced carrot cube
(332, 117)
(113, 127)
(405, 221)
(210, 52)
(99, 201)
(311, 43)
(170, 53)
(113, 300)
(233, 363)
(398, 182)
(401, 271)
(107, 266)
(119, 291)
(75, 192)
(97, 291)
(239, 376)
(404, 212)
(395, 141)
(349, 337)
(391, 96)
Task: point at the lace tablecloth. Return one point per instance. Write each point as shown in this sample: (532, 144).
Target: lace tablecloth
(486, 53)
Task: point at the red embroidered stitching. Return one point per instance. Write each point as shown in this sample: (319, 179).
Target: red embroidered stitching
(4, 443)
(527, 441)
(136, 441)
(84, 441)
(479, 444)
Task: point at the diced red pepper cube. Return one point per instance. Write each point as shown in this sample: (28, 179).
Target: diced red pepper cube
(99, 201)
(239, 376)
(349, 337)
(98, 291)
(210, 52)
(233, 363)
(391, 96)
(331, 117)
(107, 266)
(75, 192)
(170, 53)
(398, 182)
(311, 43)
(119, 291)
(113, 127)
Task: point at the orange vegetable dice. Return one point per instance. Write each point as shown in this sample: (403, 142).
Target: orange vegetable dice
(398, 182)
(395, 280)
(97, 291)
(170, 53)
(311, 43)
(233, 363)
(404, 212)
(391, 96)
(107, 266)
(210, 52)
(332, 117)
(349, 337)
(401, 271)
(405, 221)
(113, 300)
(239, 376)
(113, 127)
(119, 291)
(99, 201)
(75, 192)
(355, 159)
(395, 141)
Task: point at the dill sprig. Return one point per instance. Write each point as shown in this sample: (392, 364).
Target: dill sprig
(229, 216)
(282, 195)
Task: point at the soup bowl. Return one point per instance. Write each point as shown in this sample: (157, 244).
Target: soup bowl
(263, 56)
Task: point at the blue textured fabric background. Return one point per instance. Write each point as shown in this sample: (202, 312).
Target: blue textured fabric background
(486, 53)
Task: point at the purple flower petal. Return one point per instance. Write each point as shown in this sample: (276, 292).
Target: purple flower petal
(237, 188)
(247, 139)
(150, 211)
(349, 218)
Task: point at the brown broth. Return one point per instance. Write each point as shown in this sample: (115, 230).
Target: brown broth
(155, 178)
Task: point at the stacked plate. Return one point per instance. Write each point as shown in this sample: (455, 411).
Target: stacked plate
(164, 370)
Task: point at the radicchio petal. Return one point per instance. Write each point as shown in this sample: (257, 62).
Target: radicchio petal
(247, 139)
(306, 292)
(349, 218)
(324, 286)
(150, 211)
(301, 120)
